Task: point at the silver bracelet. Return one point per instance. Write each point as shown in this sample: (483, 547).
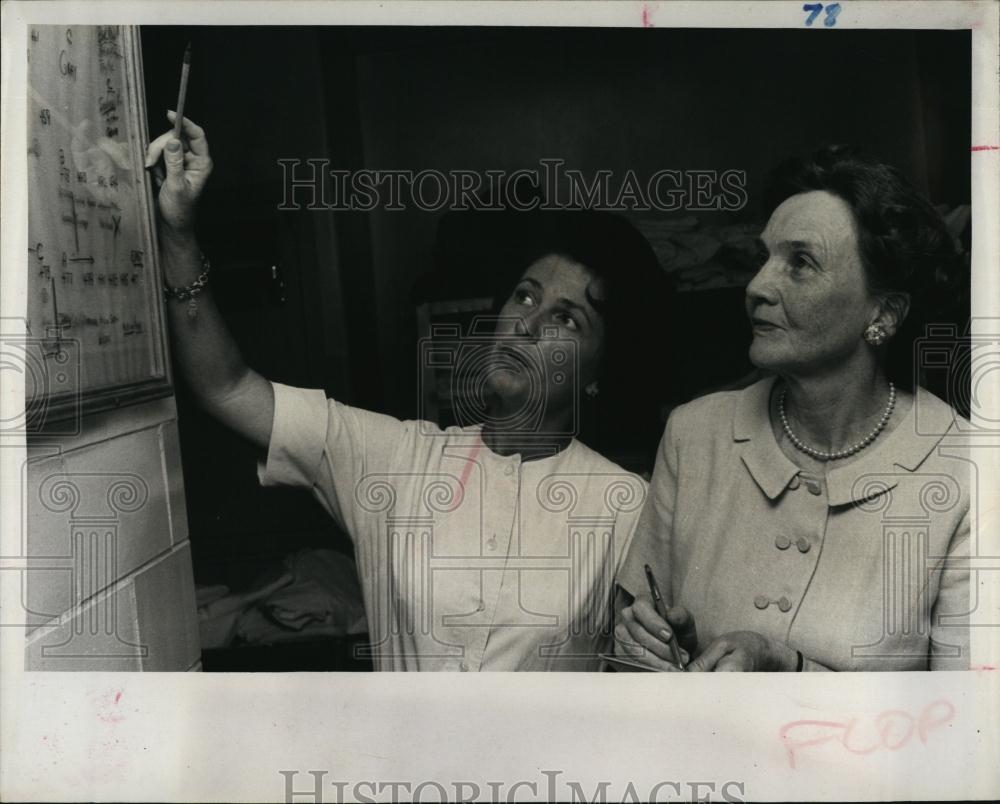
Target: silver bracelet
(189, 293)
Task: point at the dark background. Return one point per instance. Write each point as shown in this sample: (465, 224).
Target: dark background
(340, 314)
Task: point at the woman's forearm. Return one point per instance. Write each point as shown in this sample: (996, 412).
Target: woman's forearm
(205, 352)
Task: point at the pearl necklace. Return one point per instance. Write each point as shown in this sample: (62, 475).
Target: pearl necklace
(833, 456)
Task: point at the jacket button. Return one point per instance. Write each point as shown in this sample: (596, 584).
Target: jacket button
(782, 542)
(803, 544)
(814, 488)
(761, 602)
(794, 483)
(784, 604)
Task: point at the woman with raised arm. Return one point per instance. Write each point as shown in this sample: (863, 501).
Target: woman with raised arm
(490, 547)
(818, 519)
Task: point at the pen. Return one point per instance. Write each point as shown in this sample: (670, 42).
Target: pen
(185, 70)
(661, 609)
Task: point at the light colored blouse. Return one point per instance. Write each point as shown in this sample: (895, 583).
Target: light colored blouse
(860, 570)
(468, 560)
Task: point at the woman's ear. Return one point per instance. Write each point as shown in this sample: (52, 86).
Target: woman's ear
(893, 309)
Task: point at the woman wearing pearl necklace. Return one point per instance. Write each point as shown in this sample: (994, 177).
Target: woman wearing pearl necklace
(817, 519)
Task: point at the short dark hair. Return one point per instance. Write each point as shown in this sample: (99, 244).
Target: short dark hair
(636, 313)
(903, 241)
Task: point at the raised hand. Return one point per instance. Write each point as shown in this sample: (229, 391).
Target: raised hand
(180, 179)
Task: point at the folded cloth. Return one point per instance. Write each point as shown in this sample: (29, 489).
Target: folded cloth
(256, 628)
(325, 590)
(331, 569)
(209, 594)
(218, 614)
(238, 601)
(301, 603)
(323, 598)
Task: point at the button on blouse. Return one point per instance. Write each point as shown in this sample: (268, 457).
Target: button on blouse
(468, 560)
(866, 587)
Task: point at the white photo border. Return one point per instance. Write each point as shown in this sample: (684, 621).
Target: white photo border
(224, 737)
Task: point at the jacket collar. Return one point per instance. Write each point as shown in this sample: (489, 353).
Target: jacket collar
(875, 472)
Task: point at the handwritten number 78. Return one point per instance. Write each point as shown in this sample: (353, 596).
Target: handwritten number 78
(814, 9)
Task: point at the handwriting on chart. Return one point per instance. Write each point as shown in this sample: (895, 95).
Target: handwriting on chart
(81, 268)
(889, 730)
(108, 62)
(123, 277)
(89, 254)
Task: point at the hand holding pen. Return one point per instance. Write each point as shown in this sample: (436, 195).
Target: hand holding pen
(649, 631)
(661, 609)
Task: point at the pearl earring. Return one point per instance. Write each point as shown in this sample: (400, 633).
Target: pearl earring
(876, 335)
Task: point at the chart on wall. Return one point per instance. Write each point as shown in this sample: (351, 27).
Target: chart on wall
(93, 301)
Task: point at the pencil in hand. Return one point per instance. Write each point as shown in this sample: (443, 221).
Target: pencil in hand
(182, 94)
(661, 609)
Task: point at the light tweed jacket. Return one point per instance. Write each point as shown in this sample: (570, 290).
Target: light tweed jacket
(864, 569)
